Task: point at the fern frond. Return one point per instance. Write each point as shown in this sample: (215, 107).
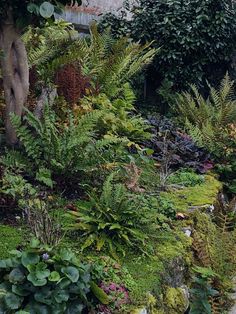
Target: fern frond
(207, 120)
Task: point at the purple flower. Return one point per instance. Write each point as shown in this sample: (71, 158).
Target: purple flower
(112, 286)
(45, 256)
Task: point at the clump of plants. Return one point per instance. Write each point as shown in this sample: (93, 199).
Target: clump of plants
(52, 153)
(185, 178)
(41, 279)
(211, 124)
(173, 148)
(111, 219)
(119, 296)
(202, 291)
(209, 121)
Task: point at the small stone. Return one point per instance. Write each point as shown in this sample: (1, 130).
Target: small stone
(187, 231)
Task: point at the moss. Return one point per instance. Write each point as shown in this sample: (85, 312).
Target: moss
(10, 238)
(198, 195)
(175, 301)
(170, 245)
(174, 244)
(146, 273)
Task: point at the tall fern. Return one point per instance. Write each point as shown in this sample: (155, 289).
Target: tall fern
(208, 121)
(63, 150)
(107, 61)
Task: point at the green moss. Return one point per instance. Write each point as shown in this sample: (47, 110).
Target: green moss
(10, 238)
(175, 301)
(174, 244)
(198, 195)
(146, 273)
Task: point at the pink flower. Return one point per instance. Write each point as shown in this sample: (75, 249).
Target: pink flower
(112, 286)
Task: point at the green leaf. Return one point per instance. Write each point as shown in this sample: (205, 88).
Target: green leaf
(9, 263)
(66, 255)
(33, 8)
(71, 273)
(61, 296)
(16, 253)
(64, 282)
(20, 290)
(54, 276)
(90, 240)
(46, 9)
(13, 301)
(29, 258)
(43, 296)
(45, 176)
(99, 293)
(41, 271)
(35, 281)
(16, 276)
(100, 242)
(34, 243)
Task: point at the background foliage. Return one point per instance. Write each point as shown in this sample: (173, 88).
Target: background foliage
(195, 37)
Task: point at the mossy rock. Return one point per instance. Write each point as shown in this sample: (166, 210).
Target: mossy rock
(175, 300)
(198, 195)
(172, 250)
(10, 238)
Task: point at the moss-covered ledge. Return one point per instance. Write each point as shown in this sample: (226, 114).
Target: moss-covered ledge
(196, 196)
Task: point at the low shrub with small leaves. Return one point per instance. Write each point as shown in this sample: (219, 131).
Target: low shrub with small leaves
(185, 178)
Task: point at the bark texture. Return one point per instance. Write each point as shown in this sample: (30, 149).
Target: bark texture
(15, 73)
(47, 96)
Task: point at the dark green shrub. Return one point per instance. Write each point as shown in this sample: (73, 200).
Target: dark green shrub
(195, 37)
(46, 281)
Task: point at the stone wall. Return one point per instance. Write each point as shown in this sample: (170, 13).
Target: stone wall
(89, 11)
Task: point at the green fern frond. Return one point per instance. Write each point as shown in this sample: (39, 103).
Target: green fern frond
(207, 120)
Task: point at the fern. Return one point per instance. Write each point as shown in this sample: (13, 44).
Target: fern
(55, 150)
(208, 121)
(111, 219)
(225, 217)
(108, 62)
(43, 44)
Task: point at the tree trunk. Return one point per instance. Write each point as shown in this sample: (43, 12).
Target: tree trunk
(15, 73)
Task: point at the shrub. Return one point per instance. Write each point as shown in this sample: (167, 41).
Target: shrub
(196, 37)
(45, 280)
(118, 115)
(172, 148)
